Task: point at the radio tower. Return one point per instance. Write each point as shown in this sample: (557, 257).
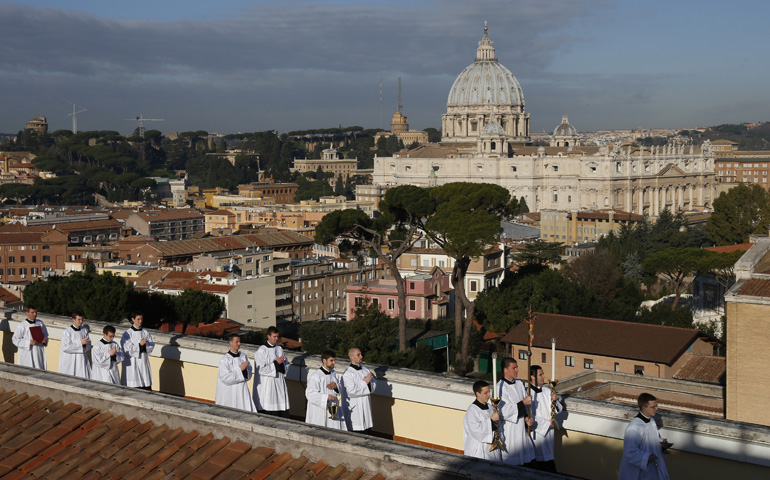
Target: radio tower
(74, 116)
(400, 105)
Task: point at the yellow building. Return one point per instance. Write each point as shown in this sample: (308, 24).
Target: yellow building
(583, 226)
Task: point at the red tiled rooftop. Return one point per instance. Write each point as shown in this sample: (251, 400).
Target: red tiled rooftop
(41, 438)
(743, 247)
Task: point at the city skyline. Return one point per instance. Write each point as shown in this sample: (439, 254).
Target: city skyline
(251, 66)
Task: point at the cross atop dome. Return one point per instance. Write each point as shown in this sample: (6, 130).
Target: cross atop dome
(486, 50)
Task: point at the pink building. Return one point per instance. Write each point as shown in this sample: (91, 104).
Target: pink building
(428, 295)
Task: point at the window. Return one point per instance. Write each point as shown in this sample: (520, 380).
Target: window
(412, 305)
(33, 247)
(617, 367)
(249, 306)
(34, 258)
(542, 359)
(474, 286)
(391, 304)
(248, 272)
(376, 302)
(555, 168)
(22, 259)
(588, 363)
(638, 369)
(249, 260)
(411, 285)
(11, 259)
(11, 271)
(569, 361)
(522, 354)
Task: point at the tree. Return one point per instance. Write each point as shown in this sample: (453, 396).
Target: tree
(388, 237)
(597, 272)
(540, 253)
(193, 307)
(523, 207)
(465, 223)
(675, 264)
(738, 213)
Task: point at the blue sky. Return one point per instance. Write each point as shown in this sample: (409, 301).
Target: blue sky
(241, 66)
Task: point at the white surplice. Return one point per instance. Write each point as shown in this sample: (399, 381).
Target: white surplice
(30, 355)
(73, 359)
(356, 398)
(542, 432)
(478, 433)
(105, 368)
(136, 364)
(519, 448)
(317, 395)
(640, 440)
(270, 393)
(232, 383)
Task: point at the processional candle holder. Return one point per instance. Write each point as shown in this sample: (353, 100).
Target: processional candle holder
(554, 411)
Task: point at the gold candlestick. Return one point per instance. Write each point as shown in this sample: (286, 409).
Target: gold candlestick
(497, 442)
(553, 383)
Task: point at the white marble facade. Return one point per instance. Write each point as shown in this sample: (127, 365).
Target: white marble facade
(485, 139)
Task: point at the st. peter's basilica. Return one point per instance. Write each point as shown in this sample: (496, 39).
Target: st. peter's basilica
(486, 138)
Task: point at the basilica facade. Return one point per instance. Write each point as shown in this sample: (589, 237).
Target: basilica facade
(485, 138)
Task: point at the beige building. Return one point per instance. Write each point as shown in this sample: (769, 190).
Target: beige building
(400, 128)
(483, 272)
(748, 336)
(331, 161)
(592, 343)
(486, 139)
(583, 226)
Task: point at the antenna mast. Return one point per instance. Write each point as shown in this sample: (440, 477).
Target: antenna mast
(400, 105)
(141, 121)
(74, 116)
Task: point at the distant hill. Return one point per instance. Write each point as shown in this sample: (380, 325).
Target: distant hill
(754, 136)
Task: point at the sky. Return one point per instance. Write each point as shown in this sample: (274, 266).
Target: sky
(254, 65)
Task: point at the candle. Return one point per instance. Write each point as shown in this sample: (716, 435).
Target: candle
(494, 373)
(553, 358)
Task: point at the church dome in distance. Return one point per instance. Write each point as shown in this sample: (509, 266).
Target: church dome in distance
(493, 129)
(486, 81)
(565, 129)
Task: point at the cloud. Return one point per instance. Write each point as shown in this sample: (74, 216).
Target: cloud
(283, 65)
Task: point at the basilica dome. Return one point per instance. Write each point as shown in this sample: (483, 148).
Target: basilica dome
(486, 81)
(485, 92)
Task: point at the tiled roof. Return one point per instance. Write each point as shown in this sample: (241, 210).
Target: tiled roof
(165, 215)
(7, 296)
(233, 242)
(611, 338)
(743, 247)
(75, 226)
(755, 287)
(45, 439)
(703, 368)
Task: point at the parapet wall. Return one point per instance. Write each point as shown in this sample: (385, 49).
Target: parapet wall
(427, 409)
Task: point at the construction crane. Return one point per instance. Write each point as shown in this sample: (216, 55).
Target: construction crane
(74, 116)
(141, 121)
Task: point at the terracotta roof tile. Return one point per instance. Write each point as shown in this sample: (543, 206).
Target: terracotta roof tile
(703, 368)
(743, 247)
(755, 287)
(54, 440)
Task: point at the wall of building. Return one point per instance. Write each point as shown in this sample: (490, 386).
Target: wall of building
(747, 360)
(706, 447)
